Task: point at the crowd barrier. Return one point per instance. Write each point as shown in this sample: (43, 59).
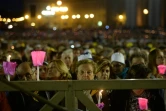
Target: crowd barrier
(69, 89)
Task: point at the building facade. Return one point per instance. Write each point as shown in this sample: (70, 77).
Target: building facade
(89, 13)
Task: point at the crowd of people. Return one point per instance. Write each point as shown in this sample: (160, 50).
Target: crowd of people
(86, 61)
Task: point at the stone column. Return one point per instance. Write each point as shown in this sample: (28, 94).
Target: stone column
(154, 13)
(131, 13)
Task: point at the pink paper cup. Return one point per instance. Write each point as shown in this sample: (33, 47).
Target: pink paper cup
(161, 69)
(143, 103)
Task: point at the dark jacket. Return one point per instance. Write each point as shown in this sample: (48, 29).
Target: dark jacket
(4, 105)
(119, 100)
(20, 101)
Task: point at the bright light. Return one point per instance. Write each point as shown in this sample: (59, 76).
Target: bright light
(0, 19)
(59, 2)
(72, 46)
(86, 16)
(39, 16)
(73, 16)
(59, 9)
(48, 8)
(54, 28)
(145, 11)
(107, 27)
(91, 15)
(8, 20)
(10, 26)
(46, 12)
(78, 16)
(26, 16)
(33, 24)
(13, 19)
(64, 17)
(12, 47)
(99, 23)
(120, 17)
(4, 20)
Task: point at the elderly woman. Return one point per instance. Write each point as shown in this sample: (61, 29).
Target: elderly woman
(85, 70)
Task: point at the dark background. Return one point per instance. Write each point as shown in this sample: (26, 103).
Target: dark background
(11, 8)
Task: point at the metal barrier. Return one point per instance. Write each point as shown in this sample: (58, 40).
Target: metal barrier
(73, 88)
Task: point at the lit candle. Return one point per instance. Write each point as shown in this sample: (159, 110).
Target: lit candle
(8, 58)
(100, 96)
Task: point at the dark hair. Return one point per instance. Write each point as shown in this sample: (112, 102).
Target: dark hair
(138, 71)
(137, 55)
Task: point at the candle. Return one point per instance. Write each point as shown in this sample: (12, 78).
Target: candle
(38, 73)
(100, 96)
(8, 58)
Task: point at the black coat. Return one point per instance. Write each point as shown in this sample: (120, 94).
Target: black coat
(119, 100)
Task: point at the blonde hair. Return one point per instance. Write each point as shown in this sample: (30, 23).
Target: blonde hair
(102, 63)
(62, 68)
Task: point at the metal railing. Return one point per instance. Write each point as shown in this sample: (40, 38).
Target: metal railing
(69, 89)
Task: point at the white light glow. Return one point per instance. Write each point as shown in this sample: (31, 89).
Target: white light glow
(46, 12)
(10, 26)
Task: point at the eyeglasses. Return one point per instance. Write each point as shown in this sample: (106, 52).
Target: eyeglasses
(23, 76)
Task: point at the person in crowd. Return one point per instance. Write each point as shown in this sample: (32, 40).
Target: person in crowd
(119, 69)
(103, 72)
(156, 57)
(121, 50)
(57, 70)
(134, 50)
(20, 101)
(85, 70)
(138, 58)
(127, 100)
(67, 57)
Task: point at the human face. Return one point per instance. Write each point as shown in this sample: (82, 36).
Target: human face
(160, 60)
(117, 67)
(85, 72)
(104, 74)
(25, 72)
(67, 59)
(53, 73)
(138, 60)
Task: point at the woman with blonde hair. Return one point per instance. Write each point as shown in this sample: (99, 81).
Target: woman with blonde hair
(57, 70)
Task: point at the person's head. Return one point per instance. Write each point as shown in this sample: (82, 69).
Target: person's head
(85, 69)
(26, 71)
(134, 50)
(117, 63)
(156, 57)
(121, 50)
(103, 69)
(57, 70)
(67, 57)
(138, 71)
(138, 58)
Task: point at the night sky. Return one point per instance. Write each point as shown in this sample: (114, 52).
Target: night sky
(11, 8)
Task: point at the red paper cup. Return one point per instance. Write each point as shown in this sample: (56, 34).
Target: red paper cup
(143, 103)
(161, 69)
